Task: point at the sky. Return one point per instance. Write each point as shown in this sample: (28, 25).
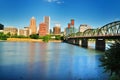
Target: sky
(95, 13)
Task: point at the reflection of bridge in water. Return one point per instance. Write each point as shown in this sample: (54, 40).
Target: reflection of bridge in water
(108, 31)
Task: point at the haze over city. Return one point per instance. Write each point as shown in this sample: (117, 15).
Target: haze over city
(95, 13)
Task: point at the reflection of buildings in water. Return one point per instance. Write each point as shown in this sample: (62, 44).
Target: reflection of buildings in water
(56, 56)
(54, 64)
(31, 60)
(43, 56)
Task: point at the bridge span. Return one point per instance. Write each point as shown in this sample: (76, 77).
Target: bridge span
(108, 31)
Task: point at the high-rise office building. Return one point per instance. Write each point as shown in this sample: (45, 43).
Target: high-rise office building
(42, 29)
(32, 28)
(72, 23)
(47, 21)
(69, 25)
(71, 28)
(57, 29)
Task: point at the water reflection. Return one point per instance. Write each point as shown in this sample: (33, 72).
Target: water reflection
(49, 61)
(43, 56)
(55, 59)
(31, 60)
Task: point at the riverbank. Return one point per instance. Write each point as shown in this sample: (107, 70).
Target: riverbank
(29, 40)
(2, 40)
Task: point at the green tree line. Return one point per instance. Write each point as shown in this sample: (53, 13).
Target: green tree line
(33, 36)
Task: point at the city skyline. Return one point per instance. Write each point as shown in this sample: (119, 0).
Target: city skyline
(94, 13)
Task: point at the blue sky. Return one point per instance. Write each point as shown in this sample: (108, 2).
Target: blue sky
(95, 13)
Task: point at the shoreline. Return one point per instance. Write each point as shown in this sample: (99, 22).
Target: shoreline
(28, 40)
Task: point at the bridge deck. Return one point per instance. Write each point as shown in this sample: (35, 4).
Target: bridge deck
(94, 37)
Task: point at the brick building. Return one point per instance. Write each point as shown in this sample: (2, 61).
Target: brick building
(57, 29)
(42, 29)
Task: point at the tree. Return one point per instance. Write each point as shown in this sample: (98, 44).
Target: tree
(34, 36)
(8, 34)
(3, 36)
(58, 37)
(46, 38)
(111, 59)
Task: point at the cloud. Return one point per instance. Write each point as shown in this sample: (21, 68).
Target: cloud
(49, 1)
(55, 1)
(60, 2)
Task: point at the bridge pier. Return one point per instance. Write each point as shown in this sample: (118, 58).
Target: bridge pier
(100, 44)
(71, 41)
(84, 43)
(77, 41)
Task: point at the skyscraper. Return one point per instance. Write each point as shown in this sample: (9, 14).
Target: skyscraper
(33, 28)
(42, 29)
(47, 21)
(69, 25)
(71, 28)
(72, 23)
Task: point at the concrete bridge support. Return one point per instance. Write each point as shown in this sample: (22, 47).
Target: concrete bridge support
(77, 41)
(71, 41)
(100, 44)
(84, 43)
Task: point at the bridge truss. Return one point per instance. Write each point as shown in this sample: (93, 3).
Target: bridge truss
(110, 29)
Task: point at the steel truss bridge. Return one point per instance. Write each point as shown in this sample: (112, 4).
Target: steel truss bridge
(108, 31)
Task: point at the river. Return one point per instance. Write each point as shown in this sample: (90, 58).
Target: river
(49, 61)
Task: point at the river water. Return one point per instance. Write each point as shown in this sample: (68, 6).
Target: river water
(49, 61)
